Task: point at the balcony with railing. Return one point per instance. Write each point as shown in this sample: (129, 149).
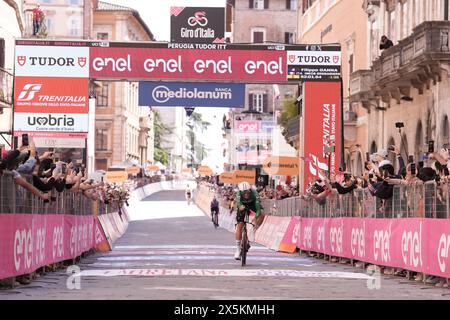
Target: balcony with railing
(6, 89)
(416, 61)
(361, 82)
(350, 118)
(293, 128)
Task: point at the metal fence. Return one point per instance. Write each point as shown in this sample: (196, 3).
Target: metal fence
(16, 199)
(419, 200)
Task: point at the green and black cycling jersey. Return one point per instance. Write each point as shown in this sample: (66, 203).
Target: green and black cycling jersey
(252, 203)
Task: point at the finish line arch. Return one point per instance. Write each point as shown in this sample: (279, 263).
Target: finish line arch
(52, 80)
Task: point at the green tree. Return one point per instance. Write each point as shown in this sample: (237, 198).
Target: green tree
(198, 149)
(161, 132)
(290, 110)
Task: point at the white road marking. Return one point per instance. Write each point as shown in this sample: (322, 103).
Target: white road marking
(223, 273)
(185, 289)
(188, 246)
(191, 257)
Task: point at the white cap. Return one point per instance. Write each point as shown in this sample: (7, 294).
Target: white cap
(383, 163)
(382, 153)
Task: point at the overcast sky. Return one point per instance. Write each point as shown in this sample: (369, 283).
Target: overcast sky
(156, 13)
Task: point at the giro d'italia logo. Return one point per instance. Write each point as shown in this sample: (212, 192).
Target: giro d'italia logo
(199, 18)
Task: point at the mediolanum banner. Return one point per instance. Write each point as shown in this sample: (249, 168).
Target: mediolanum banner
(197, 24)
(172, 94)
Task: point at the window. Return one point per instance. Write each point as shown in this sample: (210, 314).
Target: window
(102, 36)
(291, 4)
(75, 2)
(350, 64)
(2, 53)
(392, 34)
(405, 20)
(102, 98)
(258, 35)
(101, 164)
(259, 4)
(307, 4)
(101, 139)
(258, 102)
(48, 23)
(75, 27)
(288, 37)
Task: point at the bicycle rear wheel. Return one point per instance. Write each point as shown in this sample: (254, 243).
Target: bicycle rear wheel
(244, 245)
(216, 220)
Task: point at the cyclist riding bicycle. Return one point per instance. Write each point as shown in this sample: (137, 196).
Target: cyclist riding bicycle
(188, 194)
(214, 210)
(247, 199)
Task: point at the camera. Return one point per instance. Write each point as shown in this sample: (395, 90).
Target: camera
(25, 140)
(413, 168)
(399, 125)
(430, 146)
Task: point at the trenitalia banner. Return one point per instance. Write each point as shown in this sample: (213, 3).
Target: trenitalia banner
(172, 94)
(174, 61)
(322, 125)
(51, 95)
(49, 104)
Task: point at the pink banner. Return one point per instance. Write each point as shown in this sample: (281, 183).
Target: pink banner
(290, 239)
(30, 241)
(272, 231)
(414, 244)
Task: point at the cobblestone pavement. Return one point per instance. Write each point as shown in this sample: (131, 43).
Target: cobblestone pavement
(172, 251)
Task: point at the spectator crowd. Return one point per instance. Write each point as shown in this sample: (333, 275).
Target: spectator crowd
(44, 175)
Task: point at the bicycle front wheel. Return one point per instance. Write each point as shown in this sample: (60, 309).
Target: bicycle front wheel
(244, 245)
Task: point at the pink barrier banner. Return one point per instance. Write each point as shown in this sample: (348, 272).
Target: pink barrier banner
(290, 239)
(101, 242)
(30, 241)
(415, 244)
(272, 231)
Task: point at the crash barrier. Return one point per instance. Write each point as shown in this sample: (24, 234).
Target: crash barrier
(419, 200)
(34, 234)
(415, 244)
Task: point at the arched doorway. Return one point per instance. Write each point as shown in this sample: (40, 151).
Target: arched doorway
(445, 132)
(349, 163)
(373, 147)
(391, 155)
(418, 146)
(404, 149)
(359, 164)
